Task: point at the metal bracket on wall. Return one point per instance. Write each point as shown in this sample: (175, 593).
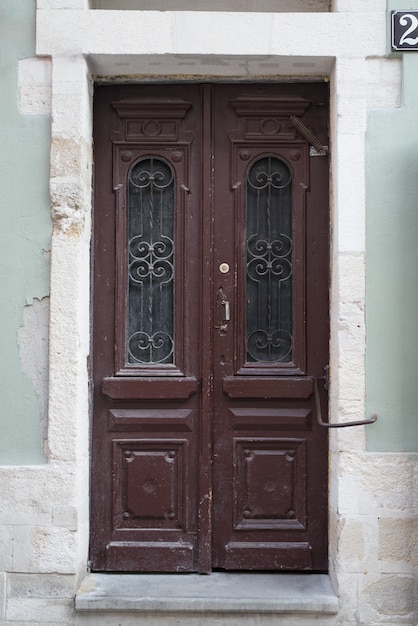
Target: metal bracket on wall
(320, 150)
(320, 421)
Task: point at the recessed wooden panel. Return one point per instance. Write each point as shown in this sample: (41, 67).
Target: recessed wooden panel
(269, 555)
(149, 479)
(147, 388)
(270, 419)
(270, 480)
(140, 556)
(268, 387)
(156, 420)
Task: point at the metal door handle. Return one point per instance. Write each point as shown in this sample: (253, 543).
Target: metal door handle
(226, 310)
(372, 419)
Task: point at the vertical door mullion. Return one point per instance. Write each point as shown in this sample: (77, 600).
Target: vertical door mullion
(205, 495)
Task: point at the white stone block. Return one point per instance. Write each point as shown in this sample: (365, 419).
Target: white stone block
(187, 32)
(384, 83)
(351, 547)
(357, 544)
(35, 87)
(62, 4)
(350, 283)
(40, 586)
(23, 557)
(351, 500)
(35, 623)
(351, 439)
(6, 551)
(349, 193)
(69, 74)
(351, 326)
(348, 598)
(390, 597)
(3, 594)
(46, 611)
(351, 116)
(397, 543)
(71, 120)
(23, 498)
(348, 379)
(65, 516)
(350, 77)
(53, 550)
(68, 119)
(68, 157)
(359, 5)
(375, 484)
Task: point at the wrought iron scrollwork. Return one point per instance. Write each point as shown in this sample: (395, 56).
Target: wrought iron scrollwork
(151, 262)
(151, 259)
(265, 257)
(269, 261)
(155, 349)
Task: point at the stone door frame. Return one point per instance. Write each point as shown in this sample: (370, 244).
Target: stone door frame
(74, 69)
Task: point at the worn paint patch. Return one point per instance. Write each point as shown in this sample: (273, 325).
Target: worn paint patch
(33, 351)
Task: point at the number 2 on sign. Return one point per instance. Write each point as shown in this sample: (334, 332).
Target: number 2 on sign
(413, 21)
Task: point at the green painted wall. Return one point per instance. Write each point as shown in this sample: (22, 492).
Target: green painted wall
(24, 233)
(392, 265)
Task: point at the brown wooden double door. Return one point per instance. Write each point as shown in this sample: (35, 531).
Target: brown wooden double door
(210, 325)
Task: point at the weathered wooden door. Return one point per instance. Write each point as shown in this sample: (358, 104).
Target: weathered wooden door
(210, 325)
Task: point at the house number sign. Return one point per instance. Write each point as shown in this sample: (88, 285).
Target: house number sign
(404, 30)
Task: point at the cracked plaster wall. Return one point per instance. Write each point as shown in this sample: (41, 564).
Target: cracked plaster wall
(24, 231)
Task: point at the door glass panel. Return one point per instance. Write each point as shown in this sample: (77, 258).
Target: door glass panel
(150, 319)
(269, 261)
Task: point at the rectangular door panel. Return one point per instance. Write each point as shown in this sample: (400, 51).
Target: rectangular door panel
(149, 484)
(269, 484)
(268, 555)
(155, 420)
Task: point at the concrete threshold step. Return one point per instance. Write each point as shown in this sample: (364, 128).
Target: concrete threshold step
(225, 593)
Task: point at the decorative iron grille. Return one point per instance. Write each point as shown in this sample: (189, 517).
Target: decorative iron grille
(151, 209)
(269, 317)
